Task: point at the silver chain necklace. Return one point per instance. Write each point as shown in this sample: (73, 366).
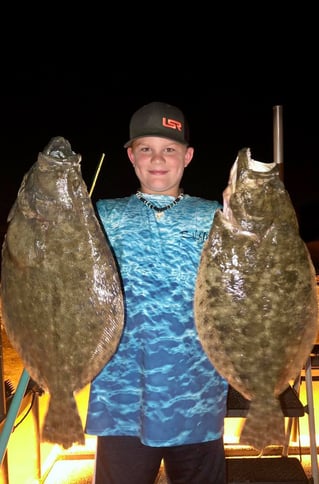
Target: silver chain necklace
(159, 210)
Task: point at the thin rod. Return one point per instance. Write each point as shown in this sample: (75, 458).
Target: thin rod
(278, 139)
(311, 421)
(97, 174)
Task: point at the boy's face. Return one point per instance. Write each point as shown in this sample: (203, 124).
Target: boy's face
(159, 164)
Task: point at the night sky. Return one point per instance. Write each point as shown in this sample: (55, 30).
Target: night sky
(92, 111)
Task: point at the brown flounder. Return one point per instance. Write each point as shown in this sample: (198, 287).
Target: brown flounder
(256, 308)
(62, 302)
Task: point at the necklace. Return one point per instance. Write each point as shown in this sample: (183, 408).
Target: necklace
(159, 210)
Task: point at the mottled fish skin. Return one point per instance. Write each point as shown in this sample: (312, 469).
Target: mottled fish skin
(61, 294)
(256, 307)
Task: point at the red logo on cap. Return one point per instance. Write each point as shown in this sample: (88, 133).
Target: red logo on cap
(171, 123)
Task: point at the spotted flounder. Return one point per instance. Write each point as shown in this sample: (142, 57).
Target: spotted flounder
(62, 302)
(256, 308)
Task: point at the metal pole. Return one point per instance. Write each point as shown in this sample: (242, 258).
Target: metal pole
(278, 139)
(35, 413)
(311, 418)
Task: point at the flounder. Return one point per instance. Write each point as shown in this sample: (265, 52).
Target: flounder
(256, 308)
(62, 302)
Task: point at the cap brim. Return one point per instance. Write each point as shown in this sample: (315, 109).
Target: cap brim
(129, 143)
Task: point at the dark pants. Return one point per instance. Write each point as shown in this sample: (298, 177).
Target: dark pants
(125, 460)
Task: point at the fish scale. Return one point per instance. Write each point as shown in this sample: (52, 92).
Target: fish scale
(256, 307)
(62, 302)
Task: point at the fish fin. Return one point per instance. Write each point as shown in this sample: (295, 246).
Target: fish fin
(264, 424)
(62, 423)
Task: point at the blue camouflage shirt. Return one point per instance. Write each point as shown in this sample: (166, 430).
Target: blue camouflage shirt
(159, 385)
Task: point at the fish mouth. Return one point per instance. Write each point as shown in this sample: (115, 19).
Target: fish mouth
(59, 150)
(260, 166)
(58, 147)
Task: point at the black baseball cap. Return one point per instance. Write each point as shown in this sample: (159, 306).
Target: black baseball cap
(159, 119)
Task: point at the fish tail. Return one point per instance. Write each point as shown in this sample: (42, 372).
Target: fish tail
(263, 427)
(62, 424)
